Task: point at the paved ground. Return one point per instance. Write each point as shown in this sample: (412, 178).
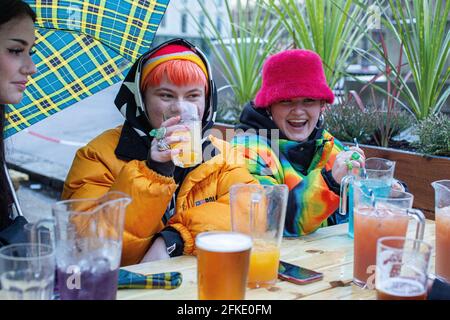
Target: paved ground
(36, 203)
(76, 125)
(50, 160)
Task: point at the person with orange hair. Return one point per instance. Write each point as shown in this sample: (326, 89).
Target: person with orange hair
(135, 158)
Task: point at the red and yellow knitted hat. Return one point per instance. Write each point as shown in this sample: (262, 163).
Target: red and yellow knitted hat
(168, 53)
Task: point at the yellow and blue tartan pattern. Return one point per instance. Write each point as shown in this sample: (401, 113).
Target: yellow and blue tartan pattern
(165, 280)
(82, 47)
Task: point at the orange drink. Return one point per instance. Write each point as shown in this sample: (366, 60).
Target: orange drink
(443, 243)
(259, 211)
(264, 260)
(377, 216)
(191, 150)
(371, 225)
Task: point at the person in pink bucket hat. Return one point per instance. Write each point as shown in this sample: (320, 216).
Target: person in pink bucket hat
(285, 141)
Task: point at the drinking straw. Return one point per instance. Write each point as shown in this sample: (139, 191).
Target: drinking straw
(363, 169)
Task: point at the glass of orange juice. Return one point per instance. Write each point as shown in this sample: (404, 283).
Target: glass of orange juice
(260, 211)
(191, 146)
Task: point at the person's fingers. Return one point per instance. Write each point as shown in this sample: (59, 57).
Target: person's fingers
(170, 122)
(175, 139)
(175, 128)
(175, 152)
(359, 150)
(351, 164)
(163, 154)
(351, 155)
(356, 164)
(157, 153)
(398, 186)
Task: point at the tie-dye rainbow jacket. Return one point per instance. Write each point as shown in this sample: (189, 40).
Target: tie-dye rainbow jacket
(314, 195)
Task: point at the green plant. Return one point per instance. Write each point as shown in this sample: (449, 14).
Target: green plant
(346, 120)
(228, 109)
(254, 34)
(420, 26)
(390, 118)
(434, 135)
(370, 123)
(388, 123)
(328, 27)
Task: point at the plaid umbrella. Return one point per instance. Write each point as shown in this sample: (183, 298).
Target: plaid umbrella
(82, 47)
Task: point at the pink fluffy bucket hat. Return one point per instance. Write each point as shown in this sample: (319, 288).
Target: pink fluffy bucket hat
(293, 74)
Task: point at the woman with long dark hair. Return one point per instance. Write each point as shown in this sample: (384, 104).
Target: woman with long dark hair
(16, 40)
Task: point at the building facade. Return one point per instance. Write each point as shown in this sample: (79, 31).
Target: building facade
(183, 19)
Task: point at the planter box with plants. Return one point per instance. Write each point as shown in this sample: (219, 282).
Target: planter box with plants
(418, 164)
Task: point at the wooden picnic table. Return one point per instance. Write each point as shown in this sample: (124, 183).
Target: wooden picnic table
(328, 250)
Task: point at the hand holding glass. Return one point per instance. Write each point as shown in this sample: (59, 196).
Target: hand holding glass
(191, 148)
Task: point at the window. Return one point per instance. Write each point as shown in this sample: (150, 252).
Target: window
(219, 3)
(184, 23)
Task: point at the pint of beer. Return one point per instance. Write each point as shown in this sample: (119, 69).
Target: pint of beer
(402, 268)
(222, 265)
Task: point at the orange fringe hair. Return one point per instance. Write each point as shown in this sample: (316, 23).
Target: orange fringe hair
(178, 72)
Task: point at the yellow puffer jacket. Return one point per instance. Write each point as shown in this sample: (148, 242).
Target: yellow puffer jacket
(202, 203)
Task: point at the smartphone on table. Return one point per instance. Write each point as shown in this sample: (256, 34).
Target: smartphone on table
(296, 274)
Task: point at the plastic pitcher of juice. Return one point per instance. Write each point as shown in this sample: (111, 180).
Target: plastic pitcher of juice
(442, 210)
(377, 176)
(376, 217)
(89, 245)
(260, 211)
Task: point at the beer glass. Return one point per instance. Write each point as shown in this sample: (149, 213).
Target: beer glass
(191, 148)
(27, 271)
(260, 211)
(222, 265)
(377, 217)
(402, 268)
(442, 210)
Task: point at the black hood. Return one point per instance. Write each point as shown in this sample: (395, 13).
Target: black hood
(129, 99)
(299, 154)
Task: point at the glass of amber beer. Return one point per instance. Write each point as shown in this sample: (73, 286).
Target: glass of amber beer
(260, 211)
(222, 265)
(402, 268)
